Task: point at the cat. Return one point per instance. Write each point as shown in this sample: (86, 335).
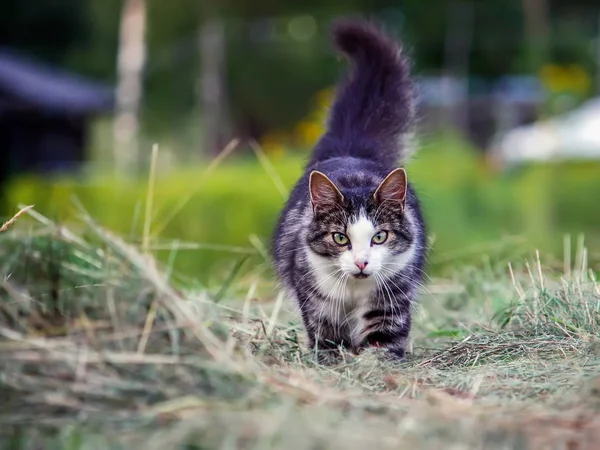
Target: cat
(350, 244)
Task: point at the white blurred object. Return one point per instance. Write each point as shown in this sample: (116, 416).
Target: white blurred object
(575, 135)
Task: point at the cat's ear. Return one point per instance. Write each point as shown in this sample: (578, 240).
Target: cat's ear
(393, 188)
(323, 193)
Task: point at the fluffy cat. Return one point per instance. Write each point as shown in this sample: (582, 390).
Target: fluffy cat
(350, 244)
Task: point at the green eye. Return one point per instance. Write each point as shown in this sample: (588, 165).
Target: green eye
(380, 238)
(340, 239)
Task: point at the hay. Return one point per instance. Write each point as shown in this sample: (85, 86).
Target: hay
(97, 348)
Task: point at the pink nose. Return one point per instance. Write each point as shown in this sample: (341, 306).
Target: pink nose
(361, 264)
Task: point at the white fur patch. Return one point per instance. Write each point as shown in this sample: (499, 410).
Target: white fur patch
(335, 278)
(360, 233)
(398, 262)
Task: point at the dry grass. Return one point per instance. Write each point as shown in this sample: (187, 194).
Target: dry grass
(10, 222)
(100, 348)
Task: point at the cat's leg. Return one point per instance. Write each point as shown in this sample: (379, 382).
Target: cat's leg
(386, 327)
(324, 337)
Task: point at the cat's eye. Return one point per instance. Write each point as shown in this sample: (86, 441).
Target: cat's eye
(340, 239)
(380, 237)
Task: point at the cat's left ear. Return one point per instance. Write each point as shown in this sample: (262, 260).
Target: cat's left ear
(323, 193)
(393, 188)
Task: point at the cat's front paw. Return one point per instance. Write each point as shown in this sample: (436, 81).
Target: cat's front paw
(383, 353)
(395, 354)
(327, 352)
(329, 357)
(392, 353)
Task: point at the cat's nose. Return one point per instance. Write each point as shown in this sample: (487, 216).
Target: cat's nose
(361, 264)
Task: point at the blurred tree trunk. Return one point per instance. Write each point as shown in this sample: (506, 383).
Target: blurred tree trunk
(130, 66)
(457, 52)
(211, 89)
(598, 58)
(537, 31)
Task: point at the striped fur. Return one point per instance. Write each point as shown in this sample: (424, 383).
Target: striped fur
(351, 290)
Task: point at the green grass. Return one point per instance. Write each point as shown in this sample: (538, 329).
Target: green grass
(232, 209)
(103, 347)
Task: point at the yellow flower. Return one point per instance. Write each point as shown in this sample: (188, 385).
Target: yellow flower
(580, 80)
(273, 143)
(307, 133)
(324, 98)
(573, 78)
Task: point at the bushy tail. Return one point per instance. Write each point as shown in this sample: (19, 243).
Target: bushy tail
(374, 107)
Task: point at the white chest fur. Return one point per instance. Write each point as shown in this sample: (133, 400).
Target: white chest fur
(344, 295)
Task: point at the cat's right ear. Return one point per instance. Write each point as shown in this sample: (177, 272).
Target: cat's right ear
(323, 193)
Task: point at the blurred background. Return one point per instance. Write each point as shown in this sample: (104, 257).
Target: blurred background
(508, 132)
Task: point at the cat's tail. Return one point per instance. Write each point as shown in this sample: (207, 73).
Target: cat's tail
(375, 107)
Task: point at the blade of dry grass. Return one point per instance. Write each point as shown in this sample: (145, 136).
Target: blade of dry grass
(229, 148)
(149, 199)
(270, 170)
(9, 223)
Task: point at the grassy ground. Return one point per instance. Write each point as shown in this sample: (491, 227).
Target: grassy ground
(100, 348)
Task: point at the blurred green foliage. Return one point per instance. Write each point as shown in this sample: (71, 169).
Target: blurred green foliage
(472, 211)
(270, 70)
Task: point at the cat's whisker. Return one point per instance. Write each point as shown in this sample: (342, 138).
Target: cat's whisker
(379, 280)
(416, 282)
(334, 300)
(409, 266)
(322, 281)
(404, 294)
(340, 300)
(390, 296)
(389, 280)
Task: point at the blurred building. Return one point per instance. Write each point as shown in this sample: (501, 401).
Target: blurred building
(570, 136)
(44, 116)
(480, 109)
